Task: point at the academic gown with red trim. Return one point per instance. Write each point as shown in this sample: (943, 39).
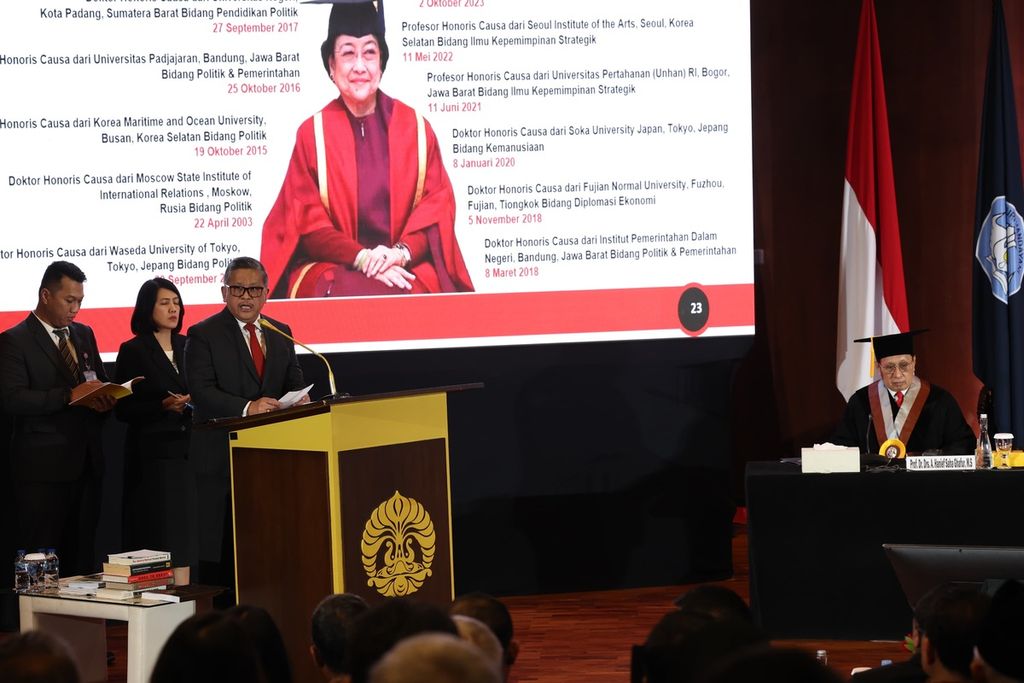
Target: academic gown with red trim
(299, 212)
(940, 426)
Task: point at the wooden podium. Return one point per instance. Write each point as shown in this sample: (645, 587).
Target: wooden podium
(348, 495)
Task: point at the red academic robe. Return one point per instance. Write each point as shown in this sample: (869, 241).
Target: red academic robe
(299, 210)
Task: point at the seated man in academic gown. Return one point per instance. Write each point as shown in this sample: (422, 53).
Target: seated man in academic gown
(903, 406)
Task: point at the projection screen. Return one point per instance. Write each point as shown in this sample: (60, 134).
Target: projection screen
(599, 158)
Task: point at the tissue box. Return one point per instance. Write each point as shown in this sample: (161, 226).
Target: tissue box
(820, 460)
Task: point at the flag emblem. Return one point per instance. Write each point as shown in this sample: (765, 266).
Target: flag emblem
(998, 249)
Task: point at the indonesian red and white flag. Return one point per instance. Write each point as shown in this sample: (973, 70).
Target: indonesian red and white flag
(872, 296)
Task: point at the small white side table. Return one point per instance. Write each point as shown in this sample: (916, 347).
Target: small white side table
(80, 621)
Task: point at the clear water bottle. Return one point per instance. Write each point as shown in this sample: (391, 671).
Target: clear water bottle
(35, 570)
(822, 657)
(983, 451)
(51, 569)
(22, 580)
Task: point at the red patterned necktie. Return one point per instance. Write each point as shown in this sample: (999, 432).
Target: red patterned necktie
(257, 350)
(899, 399)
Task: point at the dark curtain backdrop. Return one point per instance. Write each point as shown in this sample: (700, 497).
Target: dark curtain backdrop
(934, 55)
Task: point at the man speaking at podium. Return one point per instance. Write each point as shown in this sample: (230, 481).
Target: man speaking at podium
(234, 368)
(901, 405)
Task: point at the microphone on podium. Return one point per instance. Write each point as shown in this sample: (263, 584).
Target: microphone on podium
(267, 325)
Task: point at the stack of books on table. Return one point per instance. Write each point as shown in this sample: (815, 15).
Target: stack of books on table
(130, 575)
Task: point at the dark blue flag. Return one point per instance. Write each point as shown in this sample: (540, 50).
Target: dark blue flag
(998, 242)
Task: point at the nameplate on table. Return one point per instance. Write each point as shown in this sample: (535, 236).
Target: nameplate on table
(934, 463)
(828, 459)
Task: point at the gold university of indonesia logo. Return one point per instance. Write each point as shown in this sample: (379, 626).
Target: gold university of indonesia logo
(398, 546)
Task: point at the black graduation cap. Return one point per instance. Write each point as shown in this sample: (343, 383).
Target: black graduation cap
(892, 344)
(353, 18)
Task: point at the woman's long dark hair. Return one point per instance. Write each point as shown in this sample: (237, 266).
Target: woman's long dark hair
(142, 316)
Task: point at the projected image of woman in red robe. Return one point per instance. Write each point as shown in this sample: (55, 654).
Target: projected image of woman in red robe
(366, 206)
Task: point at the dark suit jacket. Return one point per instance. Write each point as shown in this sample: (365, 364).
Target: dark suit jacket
(220, 371)
(159, 488)
(222, 379)
(152, 431)
(51, 441)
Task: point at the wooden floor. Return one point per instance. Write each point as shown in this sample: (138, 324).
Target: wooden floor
(586, 637)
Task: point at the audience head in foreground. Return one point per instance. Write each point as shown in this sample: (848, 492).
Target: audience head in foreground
(718, 602)
(657, 659)
(36, 657)
(435, 658)
(682, 645)
(383, 625)
(476, 632)
(496, 616)
(999, 653)
(949, 629)
(264, 634)
(332, 632)
(211, 647)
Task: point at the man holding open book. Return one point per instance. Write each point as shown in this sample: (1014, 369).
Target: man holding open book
(47, 363)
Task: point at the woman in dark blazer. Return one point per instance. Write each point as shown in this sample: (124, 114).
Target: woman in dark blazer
(158, 491)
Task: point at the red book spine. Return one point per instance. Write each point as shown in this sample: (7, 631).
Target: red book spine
(162, 574)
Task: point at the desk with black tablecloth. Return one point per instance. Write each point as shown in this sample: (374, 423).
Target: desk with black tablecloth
(817, 569)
